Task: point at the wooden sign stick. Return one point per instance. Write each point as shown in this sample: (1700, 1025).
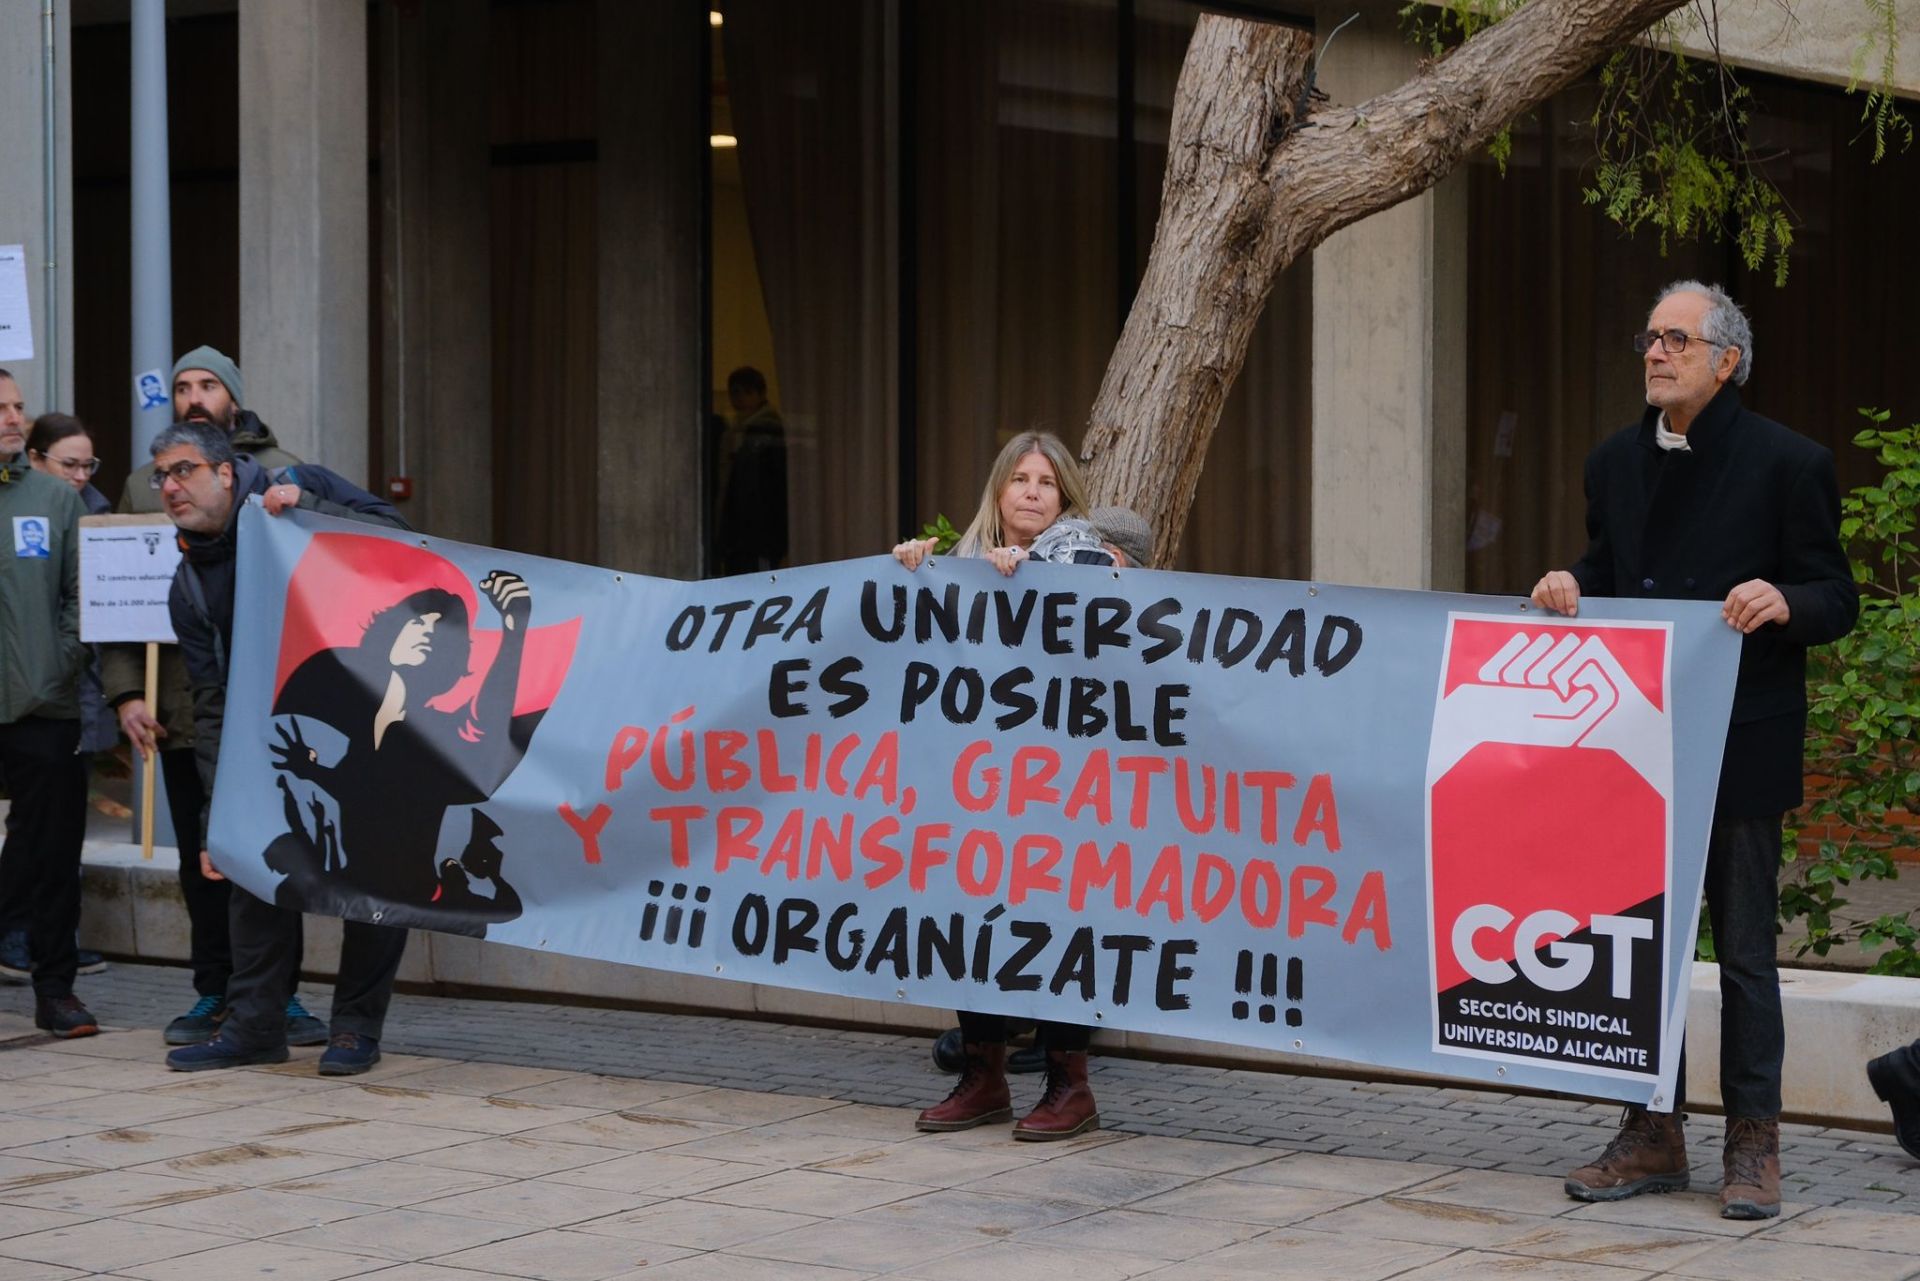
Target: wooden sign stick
(152, 758)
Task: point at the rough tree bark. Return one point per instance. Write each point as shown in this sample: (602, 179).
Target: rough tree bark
(1247, 192)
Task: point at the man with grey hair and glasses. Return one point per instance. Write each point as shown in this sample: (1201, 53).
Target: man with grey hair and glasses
(1703, 499)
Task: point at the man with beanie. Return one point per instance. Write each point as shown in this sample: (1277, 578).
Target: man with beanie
(41, 658)
(206, 389)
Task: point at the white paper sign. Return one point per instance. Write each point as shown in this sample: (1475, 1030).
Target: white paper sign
(126, 571)
(16, 322)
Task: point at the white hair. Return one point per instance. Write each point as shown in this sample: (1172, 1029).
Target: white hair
(1724, 325)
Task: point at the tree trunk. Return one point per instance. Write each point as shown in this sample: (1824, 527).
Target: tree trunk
(1249, 188)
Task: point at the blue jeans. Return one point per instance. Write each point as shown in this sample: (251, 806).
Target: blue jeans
(1743, 900)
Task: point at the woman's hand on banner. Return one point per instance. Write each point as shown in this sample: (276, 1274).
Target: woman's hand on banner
(207, 869)
(914, 552)
(1007, 559)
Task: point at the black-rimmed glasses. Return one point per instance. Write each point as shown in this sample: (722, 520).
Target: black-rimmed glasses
(1672, 341)
(178, 473)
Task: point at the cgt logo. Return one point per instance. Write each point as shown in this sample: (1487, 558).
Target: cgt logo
(1551, 927)
(1562, 728)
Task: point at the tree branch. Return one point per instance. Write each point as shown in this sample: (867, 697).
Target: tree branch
(1246, 193)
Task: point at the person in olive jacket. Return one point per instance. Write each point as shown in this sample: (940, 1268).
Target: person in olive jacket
(41, 659)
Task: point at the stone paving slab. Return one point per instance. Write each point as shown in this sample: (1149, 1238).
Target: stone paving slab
(571, 1144)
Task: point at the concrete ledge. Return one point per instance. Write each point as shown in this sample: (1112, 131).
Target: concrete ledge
(1835, 1022)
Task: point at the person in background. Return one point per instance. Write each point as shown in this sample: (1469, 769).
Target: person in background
(41, 658)
(750, 518)
(1125, 534)
(60, 446)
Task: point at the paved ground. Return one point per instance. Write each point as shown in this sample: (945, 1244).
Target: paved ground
(563, 1143)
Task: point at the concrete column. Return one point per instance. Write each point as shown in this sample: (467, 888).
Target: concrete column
(1389, 355)
(436, 394)
(303, 225)
(151, 206)
(652, 178)
(46, 380)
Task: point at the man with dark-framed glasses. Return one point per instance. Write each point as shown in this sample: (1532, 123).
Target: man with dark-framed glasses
(207, 389)
(1704, 499)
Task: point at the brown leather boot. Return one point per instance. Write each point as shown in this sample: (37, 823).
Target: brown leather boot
(1648, 1155)
(980, 1097)
(1067, 1107)
(1751, 1188)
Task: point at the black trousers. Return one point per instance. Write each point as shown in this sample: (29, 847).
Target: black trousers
(209, 948)
(991, 1029)
(49, 821)
(1743, 900)
(266, 944)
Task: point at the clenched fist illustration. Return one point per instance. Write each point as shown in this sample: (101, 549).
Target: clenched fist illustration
(1544, 689)
(510, 596)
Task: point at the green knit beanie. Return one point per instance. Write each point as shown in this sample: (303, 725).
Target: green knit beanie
(217, 363)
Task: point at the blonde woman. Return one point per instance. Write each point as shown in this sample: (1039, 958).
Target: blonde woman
(1033, 508)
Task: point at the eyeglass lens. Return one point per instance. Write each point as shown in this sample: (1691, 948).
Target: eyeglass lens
(1672, 341)
(179, 472)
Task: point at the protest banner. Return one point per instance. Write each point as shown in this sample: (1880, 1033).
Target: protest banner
(1432, 832)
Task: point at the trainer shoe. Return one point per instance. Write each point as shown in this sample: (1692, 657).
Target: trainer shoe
(64, 1016)
(349, 1054)
(302, 1027)
(16, 962)
(91, 962)
(197, 1025)
(223, 1053)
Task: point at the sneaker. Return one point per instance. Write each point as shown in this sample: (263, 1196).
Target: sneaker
(91, 962)
(64, 1017)
(349, 1054)
(223, 1053)
(197, 1025)
(16, 963)
(302, 1027)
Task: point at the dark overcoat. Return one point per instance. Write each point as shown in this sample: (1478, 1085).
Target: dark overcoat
(1747, 499)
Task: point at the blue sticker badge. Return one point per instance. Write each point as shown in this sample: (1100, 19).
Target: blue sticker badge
(30, 537)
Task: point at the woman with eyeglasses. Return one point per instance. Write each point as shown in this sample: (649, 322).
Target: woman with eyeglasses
(61, 446)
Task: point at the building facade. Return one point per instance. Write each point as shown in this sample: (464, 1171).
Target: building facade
(508, 251)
